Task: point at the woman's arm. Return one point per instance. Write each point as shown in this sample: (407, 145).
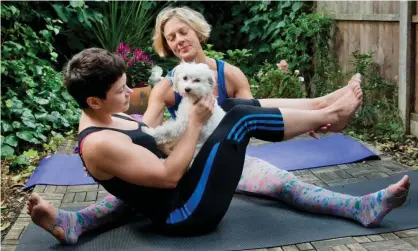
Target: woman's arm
(114, 154)
(154, 114)
(236, 79)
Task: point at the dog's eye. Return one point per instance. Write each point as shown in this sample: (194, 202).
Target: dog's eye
(185, 78)
(197, 80)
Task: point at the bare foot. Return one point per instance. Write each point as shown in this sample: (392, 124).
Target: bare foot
(45, 216)
(340, 112)
(355, 81)
(329, 99)
(400, 190)
(374, 207)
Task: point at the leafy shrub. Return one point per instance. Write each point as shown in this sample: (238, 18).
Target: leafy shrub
(35, 104)
(77, 18)
(271, 31)
(210, 52)
(240, 58)
(272, 82)
(379, 112)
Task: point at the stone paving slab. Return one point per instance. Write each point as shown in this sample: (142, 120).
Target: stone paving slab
(69, 196)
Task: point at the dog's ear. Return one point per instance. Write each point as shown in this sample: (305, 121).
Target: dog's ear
(176, 81)
(212, 79)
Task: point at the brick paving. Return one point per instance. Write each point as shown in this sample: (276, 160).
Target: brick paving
(69, 196)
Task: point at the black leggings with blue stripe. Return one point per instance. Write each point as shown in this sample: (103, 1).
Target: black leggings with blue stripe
(205, 192)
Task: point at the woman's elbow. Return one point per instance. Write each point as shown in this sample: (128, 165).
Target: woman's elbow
(169, 180)
(170, 184)
(173, 181)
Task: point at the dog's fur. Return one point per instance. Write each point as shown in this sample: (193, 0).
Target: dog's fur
(192, 81)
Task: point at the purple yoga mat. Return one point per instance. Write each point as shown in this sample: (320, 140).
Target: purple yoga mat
(66, 170)
(292, 155)
(60, 170)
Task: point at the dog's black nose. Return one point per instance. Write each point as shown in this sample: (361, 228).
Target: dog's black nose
(188, 89)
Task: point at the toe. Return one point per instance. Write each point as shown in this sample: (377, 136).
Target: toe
(359, 93)
(405, 181)
(30, 207)
(34, 198)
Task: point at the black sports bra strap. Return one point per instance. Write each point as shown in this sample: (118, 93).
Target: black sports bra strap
(92, 129)
(123, 117)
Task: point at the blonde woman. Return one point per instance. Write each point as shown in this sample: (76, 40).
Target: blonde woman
(181, 32)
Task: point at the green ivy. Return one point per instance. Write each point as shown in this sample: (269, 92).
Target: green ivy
(235, 57)
(274, 31)
(35, 104)
(77, 18)
(210, 52)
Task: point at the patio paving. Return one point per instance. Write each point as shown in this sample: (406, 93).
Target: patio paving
(72, 196)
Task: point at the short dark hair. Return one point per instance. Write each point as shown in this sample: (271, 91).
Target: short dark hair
(91, 73)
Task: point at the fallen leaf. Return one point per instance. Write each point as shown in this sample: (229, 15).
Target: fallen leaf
(16, 177)
(17, 185)
(5, 225)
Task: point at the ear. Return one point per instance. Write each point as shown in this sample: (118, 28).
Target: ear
(212, 79)
(176, 81)
(175, 85)
(94, 103)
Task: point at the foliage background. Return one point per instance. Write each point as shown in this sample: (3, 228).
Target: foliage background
(39, 37)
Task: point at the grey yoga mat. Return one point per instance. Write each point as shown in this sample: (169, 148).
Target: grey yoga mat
(249, 223)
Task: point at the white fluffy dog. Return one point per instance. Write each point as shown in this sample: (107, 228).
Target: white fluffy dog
(192, 81)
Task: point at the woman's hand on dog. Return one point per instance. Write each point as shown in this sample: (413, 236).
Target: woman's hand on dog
(202, 110)
(168, 147)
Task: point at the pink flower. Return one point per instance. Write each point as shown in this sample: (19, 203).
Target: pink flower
(139, 55)
(123, 50)
(130, 62)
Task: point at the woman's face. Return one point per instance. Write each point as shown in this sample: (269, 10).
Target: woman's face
(118, 97)
(182, 39)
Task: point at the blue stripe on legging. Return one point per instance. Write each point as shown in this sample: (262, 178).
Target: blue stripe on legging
(234, 128)
(255, 127)
(252, 122)
(181, 214)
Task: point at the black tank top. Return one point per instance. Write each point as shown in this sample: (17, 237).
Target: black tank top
(152, 202)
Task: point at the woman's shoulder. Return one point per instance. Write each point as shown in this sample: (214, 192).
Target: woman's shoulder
(124, 115)
(87, 127)
(230, 68)
(233, 73)
(102, 141)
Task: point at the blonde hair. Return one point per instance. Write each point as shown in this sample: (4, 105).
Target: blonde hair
(192, 18)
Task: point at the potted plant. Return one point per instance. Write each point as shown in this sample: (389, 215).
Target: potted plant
(138, 72)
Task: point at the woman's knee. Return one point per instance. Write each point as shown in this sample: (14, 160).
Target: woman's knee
(231, 103)
(228, 104)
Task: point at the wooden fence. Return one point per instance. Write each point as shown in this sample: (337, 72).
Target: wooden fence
(389, 30)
